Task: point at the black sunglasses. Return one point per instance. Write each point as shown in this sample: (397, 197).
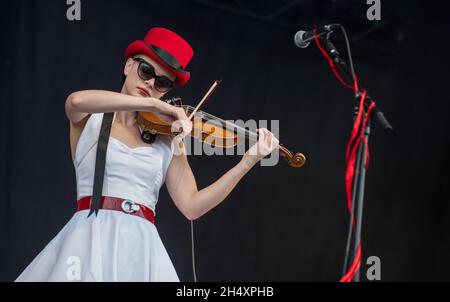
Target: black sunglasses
(147, 72)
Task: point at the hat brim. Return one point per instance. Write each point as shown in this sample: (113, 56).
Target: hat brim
(140, 47)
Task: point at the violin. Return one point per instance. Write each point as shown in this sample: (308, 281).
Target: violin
(207, 128)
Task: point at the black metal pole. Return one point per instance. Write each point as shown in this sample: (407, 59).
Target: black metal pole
(353, 209)
(360, 198)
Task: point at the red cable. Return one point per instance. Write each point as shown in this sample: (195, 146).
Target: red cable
(369, 112)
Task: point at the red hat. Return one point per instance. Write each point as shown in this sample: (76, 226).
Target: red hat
(168, 49)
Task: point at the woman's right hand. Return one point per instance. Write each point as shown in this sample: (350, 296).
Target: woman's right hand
(176, 116)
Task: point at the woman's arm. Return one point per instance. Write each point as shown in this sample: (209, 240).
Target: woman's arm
(81, 103)
(193, 203)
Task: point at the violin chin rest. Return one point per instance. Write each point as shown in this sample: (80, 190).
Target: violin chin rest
(148, 137)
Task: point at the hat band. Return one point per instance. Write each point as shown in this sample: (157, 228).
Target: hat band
(165, 56)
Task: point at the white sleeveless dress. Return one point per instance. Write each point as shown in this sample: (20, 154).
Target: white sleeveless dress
(113, 246)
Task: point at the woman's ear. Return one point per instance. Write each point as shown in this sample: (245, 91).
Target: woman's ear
(128, 66)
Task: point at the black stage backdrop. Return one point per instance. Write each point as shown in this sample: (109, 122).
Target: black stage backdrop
(280, 223)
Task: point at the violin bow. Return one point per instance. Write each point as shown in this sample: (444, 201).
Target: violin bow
(206, 97)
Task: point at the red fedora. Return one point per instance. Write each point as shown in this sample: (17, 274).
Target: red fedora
(168, 49)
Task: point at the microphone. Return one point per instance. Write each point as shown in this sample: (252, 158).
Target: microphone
(303, 38)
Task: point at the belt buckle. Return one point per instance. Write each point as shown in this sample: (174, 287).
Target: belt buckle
(128, 206)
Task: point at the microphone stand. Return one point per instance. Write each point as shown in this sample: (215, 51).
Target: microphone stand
(359, 176)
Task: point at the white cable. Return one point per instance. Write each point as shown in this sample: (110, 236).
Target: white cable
(193, 251)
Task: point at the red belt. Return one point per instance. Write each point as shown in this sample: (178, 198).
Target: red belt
(118, 204)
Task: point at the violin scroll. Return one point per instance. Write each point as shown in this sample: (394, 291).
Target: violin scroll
(296, 160)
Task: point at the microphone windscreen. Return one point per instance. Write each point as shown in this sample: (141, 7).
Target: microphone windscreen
(298, 39)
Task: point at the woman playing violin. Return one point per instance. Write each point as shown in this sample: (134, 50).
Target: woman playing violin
(121, 242)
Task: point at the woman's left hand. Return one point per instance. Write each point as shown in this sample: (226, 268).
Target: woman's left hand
(267, 142)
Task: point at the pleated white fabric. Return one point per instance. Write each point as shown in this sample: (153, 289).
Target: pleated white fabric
(113, 246)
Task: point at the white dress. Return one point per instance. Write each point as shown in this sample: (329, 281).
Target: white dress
(113, 246)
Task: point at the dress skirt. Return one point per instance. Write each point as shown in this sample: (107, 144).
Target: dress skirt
(113, 246)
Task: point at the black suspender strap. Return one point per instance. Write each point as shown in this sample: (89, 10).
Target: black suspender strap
(100, 161)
